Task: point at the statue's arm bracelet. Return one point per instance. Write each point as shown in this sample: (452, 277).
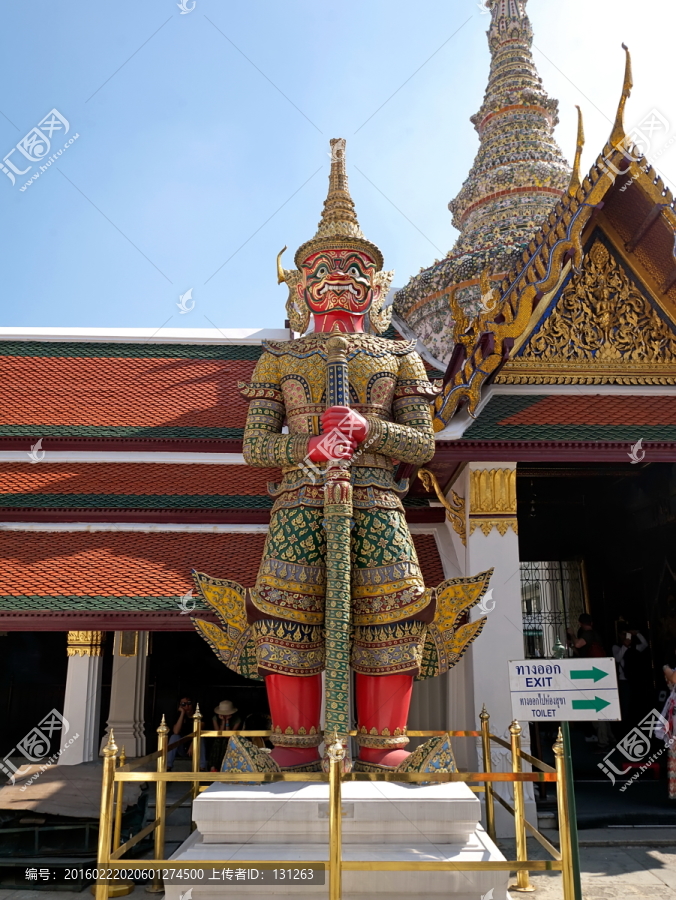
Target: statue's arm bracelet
(411, 443)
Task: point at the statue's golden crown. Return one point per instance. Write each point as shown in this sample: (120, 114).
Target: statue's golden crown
(338, 229)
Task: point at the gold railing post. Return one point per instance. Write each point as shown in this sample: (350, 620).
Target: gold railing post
(523, 882)
(488, 795)
(156, 886)
(106, 824)
(336, 753)
(196, 747)
(564, 820)
(119, 888)
(119, 801)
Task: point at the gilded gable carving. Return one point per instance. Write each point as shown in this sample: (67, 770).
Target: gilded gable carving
(602, 330)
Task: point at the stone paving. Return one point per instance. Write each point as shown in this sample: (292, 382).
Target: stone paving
(614, 867)
(616, 872)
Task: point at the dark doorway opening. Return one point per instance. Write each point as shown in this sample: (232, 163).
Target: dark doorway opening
(181, 664)
(33, 668)
(620, 522)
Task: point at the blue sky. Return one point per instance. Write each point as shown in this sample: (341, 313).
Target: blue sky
(203, 139)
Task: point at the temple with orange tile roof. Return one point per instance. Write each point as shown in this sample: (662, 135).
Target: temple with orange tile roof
(552, 326)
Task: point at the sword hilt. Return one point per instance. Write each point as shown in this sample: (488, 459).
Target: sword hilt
(337, 381)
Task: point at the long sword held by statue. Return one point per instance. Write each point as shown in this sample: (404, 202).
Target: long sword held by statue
(337, 525)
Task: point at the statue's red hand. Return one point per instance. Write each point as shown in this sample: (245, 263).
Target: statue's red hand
(323, 447)
(343, 429)
(348, 421)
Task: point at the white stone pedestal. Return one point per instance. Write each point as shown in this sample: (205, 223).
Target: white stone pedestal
(382, 821)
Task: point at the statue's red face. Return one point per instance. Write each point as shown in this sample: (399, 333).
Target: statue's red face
(338, 286)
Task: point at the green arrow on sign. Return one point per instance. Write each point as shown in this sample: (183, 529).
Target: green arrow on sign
(596, 674)
(596, 704)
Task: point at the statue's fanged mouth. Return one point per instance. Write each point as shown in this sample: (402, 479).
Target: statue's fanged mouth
(338, 288)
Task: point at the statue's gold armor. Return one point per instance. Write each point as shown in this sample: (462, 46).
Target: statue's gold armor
(390, 606)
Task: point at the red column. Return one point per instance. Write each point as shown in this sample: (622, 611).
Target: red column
(295, 702)
(383, 702)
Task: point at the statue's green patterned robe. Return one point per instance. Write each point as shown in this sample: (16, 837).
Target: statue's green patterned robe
(393, 614)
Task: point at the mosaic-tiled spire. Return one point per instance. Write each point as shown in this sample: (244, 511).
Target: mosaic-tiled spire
(516, 178)
(519, 171)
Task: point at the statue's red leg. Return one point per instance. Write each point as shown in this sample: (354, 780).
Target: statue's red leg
(295, 702)
(382, 703)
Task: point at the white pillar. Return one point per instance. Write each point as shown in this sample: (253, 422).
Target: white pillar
(492, 542)
(126, 715)
(82, 705)
(442, 702)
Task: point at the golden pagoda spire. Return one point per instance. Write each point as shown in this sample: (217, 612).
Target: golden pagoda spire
(576, 174)
(618, 133)
(338, 227)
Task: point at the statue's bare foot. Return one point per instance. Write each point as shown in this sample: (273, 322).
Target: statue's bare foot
(286, 757)
(389, 758)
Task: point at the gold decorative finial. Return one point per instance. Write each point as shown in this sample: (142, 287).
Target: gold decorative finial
(618, 133)
(281, 275)
(455, 507)
(576, 174)
(336, 751)
(111, 747)
(337, 347)
(338, 227)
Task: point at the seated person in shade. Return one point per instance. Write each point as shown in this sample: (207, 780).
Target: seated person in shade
(225, 719)
(183, 727)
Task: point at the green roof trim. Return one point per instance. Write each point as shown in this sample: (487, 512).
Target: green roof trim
(91, 349)
(122, 431)
(136, 501)
(72, 603)
(488, 426)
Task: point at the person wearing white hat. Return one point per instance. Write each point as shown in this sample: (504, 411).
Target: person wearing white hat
(225, 719)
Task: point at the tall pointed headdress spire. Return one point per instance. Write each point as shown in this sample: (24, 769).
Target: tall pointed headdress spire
(338, 227)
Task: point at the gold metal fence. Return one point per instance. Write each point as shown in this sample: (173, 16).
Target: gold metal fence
(115, 776)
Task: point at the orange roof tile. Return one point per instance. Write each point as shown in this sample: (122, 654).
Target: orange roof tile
(121, 564)
(132, 479)
(428, 557)
(102, 391)
(138, 564)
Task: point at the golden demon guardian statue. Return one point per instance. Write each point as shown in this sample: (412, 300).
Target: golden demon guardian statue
(339, 586)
